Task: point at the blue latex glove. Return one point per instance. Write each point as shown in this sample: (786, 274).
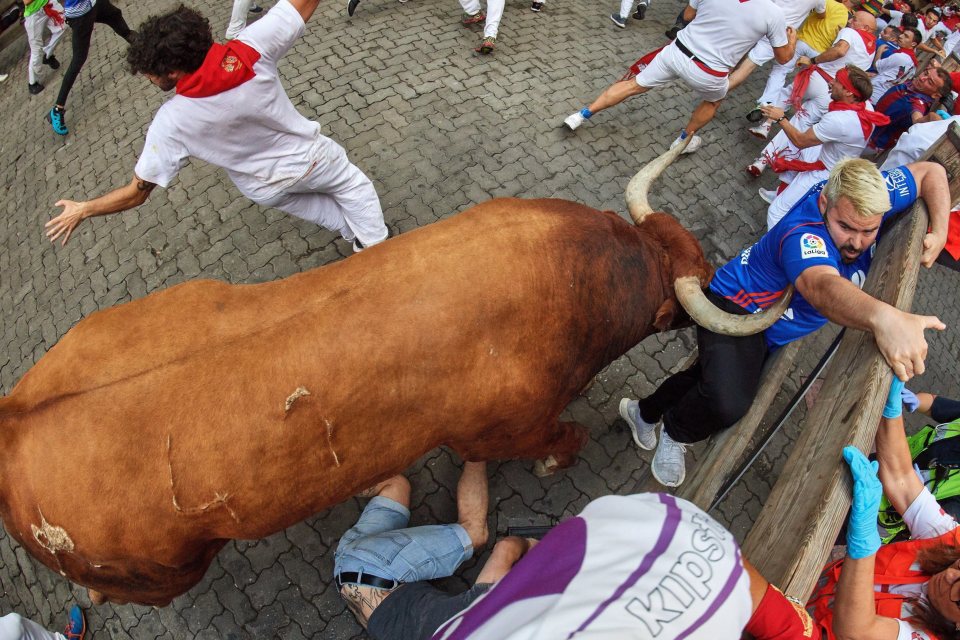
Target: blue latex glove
(863, 539)
(910, 400)
(943, 114)
(894, 406)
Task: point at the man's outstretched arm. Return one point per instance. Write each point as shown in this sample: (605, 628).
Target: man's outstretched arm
(126, 197)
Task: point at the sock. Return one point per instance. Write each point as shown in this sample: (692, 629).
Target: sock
(683, 134)
(586, 113)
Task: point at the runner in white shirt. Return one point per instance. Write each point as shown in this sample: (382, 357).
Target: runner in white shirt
(703, 54)
(807, 157)
(632, 567)
(810, 91)
(915, 142)
(899, 66)
(231, 111)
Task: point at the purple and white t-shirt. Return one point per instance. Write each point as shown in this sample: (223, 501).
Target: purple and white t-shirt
(642, 566)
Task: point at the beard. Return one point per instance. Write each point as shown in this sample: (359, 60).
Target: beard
(848, 254)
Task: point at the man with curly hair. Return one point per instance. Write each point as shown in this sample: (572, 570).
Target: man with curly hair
(230, 110)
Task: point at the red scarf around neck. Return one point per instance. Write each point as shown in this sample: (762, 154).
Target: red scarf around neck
(869, 41)
(226, 66)
(868, 119)
(909, 52)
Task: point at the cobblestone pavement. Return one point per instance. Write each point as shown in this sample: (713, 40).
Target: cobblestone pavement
(438, 129)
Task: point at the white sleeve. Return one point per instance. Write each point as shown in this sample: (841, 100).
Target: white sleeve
(926, 519)
(908, 632)
(832, 127)
(163, 155)
(777, 28)
(274, 34)
(847, 34)
(895, 18)
(695, 4)
(820, 7)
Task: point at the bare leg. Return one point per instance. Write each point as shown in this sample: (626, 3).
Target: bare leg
(741, 73)
(472, 502)
(397, 488)
(701, 116)
(615, 94)
(505, 554)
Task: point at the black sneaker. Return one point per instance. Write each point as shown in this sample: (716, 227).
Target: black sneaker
(255, 8)
(34, 88)
(536, 6)
(640, 12)
(352, 7)
(672, 32)
(51, 61)
(357, 245)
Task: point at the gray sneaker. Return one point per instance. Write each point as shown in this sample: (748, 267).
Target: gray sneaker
(574, 120)
(668, 465)
(644, 433)
(767, 195)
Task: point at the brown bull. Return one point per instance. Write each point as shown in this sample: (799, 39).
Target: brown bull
(208, 412)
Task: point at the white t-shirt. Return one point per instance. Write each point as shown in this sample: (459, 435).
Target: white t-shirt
(939, 30)
(794, 13)
(891, 71)
(925, 519)
(628, 567)
(253, 130)
(724, 30)
(915, 142)
(841, 136)
(951, 42)
(856, 55)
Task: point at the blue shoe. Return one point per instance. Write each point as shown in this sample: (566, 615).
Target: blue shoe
(76, 624)
(55, 118)
(619, 20)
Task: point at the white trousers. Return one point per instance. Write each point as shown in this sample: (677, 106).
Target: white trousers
(238, 18)
(13, 626)
(627, 5)
(34, 24)
(494, 15)
(336, 195)
(778, 74)
(801, 183)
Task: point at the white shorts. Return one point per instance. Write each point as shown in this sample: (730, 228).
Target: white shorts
(671, 64)
(762, 52)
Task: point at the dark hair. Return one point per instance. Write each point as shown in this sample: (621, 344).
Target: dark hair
(175, 41)
(947, 87)
(909, 20)
(932, 10)
(860, 81)
(933, 560)
(917, 36)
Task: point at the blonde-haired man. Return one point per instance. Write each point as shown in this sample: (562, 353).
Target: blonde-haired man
(824, 247)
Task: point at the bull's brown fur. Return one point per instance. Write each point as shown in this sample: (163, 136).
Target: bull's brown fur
(157, 430)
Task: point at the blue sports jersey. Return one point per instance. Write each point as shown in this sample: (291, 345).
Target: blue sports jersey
(757, 277)
(891, 49)
(899, 104)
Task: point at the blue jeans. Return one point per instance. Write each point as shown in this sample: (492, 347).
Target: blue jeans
(379, 544)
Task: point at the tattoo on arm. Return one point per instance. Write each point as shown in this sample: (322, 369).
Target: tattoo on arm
(363, 600)
(143, 185)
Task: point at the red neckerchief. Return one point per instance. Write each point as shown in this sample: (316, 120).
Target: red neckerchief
(868, 119)
(802, 80)
(953, 236)
(869, 41)
(910, 53)
(53, 14)
(226, 66)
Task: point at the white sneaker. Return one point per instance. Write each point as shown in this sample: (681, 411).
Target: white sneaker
(695, 143)
(669, 467)
(644, 433)
(755, 168)
(574, 120)
(768, 195)
(762, 130)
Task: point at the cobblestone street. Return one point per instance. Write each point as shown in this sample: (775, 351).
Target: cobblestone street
(438, 129)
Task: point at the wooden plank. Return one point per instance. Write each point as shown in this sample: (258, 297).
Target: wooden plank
(801, 518)
(951, 64)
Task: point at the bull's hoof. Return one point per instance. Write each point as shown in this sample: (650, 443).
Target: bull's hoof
(96, 597)
(544, 468)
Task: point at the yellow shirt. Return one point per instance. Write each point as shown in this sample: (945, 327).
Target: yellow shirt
(819, 32)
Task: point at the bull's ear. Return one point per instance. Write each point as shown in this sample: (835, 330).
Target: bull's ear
(666, 315)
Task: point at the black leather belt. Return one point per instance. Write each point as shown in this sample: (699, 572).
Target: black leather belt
(366, 579)
(700, 63)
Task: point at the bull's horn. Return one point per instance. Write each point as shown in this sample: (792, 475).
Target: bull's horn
(707, 315)
(636, 193)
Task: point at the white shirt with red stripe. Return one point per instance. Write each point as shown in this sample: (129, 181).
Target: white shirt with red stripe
(857, 54)
(724, 30)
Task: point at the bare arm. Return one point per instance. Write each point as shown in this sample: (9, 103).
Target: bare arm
(854, 610)
(802, 139)
(932, 186)
(899, 335)
(900, 484)
(689, 13)
(506, 553)
(784, 54)
(835, 52)
(305, 8)
(126, 197)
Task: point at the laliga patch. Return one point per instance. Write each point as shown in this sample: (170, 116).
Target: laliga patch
(812, 246)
